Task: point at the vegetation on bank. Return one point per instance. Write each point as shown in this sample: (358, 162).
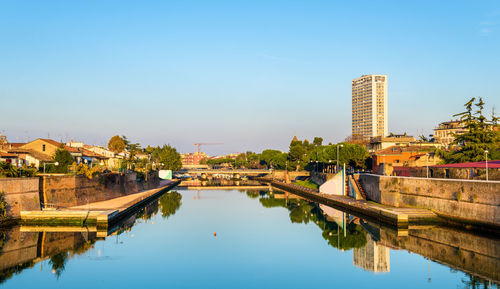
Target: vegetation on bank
(481, 135)
(7, 170)
(301, 155)
(307, 184)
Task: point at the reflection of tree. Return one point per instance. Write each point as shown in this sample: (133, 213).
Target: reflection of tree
(58, 263)
(253, 194)
(304, 211)
(170, 203)
(272, 202)
(475, 282)
(355, 236)
(300, 211)
(3, 239)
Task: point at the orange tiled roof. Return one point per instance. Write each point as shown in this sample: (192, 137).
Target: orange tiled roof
(6, 154)
(36, 155)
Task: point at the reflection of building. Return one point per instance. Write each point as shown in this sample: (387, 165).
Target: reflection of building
(372, 257)
(334, 215)
(369, 106)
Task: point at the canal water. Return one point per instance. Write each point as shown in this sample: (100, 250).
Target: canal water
(246, 239)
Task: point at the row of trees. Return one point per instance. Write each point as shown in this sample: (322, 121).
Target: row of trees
(163, 157)
(301, 155)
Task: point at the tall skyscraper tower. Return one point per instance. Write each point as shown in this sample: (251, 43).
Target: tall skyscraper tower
(369, 106)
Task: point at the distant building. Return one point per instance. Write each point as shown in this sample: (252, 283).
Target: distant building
(43, 150)
(446, 131)
(380, 142)
(191, 159)
(397, 157)
(369, 106)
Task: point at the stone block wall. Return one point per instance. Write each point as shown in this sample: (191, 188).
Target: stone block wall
(68, 191)
(20, 194)
(475, 202)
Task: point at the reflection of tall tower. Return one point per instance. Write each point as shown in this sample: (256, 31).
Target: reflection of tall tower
(372, 257)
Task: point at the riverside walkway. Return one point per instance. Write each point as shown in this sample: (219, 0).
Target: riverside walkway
(99, 214)
(400, 217)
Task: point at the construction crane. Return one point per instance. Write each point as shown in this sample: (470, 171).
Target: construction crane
(206, 144)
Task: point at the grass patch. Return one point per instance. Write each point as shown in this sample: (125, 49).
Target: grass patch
(307, 184)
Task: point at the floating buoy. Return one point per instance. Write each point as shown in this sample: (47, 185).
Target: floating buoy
(215, 234)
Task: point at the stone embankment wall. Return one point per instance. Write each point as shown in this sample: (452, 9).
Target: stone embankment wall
(292, 175)
(20, 194)
(466, 201)
(68, 191)
(27, 194)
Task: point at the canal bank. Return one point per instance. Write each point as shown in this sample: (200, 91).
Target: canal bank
(471, 203)
(99, 214)
(399, 217)
(64, 191)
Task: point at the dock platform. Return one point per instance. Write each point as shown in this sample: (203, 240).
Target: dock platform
(99, 214)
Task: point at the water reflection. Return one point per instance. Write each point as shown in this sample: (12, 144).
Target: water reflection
(371, 244)
(22, 247)
(478, 256)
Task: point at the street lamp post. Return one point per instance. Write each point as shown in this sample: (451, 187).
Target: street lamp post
(486, 156)
(338, 148)
(56, 163)
(427, 163)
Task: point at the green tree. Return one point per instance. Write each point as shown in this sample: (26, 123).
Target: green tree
(116, 144)
(64, 160)
(353, 155)
(167, 157)
(298, 154)
(274, 158)
(318, 141)
(8, 170)
(481, 135)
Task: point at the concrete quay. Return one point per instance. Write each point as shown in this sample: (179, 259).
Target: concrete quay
(399, 217)
(98, 214)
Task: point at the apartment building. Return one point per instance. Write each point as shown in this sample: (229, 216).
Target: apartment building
(369, 106)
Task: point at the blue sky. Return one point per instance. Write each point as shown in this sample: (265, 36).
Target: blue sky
(250, 74)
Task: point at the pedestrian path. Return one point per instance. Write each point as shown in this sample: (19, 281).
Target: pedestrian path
(98, 214)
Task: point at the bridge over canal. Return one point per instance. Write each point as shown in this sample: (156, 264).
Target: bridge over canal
(278, 174)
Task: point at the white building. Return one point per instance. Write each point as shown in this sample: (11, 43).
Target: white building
(369, 106)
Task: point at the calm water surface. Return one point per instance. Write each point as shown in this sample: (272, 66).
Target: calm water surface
(247, 239)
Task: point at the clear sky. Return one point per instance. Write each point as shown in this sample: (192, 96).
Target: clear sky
(250, 74)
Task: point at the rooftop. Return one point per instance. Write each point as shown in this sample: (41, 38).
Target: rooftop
(491, 164)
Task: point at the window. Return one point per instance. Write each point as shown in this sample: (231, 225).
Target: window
(43, 148)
